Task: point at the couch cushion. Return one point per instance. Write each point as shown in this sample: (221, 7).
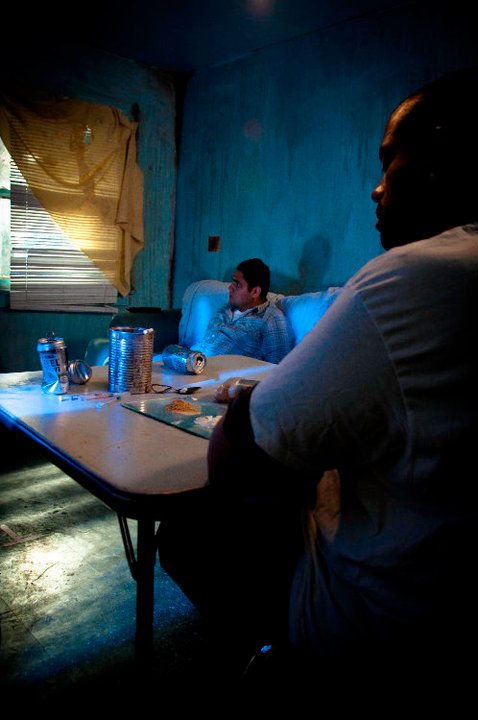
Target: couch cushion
(303, 311)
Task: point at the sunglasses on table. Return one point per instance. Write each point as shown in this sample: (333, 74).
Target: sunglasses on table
(160, 389)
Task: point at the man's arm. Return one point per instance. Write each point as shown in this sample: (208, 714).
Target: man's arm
(237, 463)
(231, 436)
(212, 342)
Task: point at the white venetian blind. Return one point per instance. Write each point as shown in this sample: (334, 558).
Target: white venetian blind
(47, 270)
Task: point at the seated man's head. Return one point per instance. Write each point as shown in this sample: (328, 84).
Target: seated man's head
(429, 156)
(250, 284)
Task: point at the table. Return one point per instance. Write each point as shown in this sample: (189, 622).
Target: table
(136, 465)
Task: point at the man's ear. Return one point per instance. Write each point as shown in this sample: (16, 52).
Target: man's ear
(256, 291)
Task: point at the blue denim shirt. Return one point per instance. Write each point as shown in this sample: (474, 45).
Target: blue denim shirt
(261, 332)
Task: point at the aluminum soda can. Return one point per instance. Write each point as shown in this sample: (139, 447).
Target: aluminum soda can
(184, 360)
(79, 372)
(54, 361)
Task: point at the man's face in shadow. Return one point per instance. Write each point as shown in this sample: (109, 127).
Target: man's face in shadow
(404, 196)
(240, 295)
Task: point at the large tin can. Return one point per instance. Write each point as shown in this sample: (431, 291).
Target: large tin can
(183, 360)
(54, 361)
(131, 359)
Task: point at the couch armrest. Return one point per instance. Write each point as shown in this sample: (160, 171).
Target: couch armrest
(200, 302)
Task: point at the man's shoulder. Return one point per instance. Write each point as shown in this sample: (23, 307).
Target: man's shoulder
(439, 255)
(271, 310)
(224, 311)
(437, 272)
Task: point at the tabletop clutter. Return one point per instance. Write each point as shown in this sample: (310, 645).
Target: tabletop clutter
(130, 364)
(58, 371)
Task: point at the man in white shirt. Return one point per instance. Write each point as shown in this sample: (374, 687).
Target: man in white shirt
(367, 432)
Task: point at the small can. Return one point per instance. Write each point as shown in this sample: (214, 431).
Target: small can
(79, 372)
(184, 360)
(54, 361)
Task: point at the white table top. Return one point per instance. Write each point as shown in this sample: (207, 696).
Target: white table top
(126, 451)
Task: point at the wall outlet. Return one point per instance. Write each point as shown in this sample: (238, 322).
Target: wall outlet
(214, 243)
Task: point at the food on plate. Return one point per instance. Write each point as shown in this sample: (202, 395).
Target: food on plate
(184, 407)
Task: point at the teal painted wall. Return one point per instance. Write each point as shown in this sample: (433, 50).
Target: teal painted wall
(21, 330)
(278, 156)
(279, 150)
(106, 79)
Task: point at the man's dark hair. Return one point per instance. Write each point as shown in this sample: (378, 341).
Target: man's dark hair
(440, 132)
(256, 274)
(444, 119)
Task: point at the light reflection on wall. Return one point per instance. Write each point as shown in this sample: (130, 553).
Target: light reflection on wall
(261, 7)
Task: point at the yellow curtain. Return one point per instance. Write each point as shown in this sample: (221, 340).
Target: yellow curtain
(79, 160)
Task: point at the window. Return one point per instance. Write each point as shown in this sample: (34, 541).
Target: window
(4, 217)
(75, 203)
(47, 271)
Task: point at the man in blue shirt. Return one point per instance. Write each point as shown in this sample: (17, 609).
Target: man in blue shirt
(249, 324)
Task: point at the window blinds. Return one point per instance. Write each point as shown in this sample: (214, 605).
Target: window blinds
(47, 270)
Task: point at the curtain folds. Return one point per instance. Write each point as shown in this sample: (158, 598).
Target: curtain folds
(80, 161)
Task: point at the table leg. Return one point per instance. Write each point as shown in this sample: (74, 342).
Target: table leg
(146, 558)
(142, 570)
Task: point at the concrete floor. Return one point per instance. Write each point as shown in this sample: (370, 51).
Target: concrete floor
(67, 602)
(67, 618)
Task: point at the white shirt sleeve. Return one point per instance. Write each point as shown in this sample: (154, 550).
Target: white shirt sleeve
(334, 399)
